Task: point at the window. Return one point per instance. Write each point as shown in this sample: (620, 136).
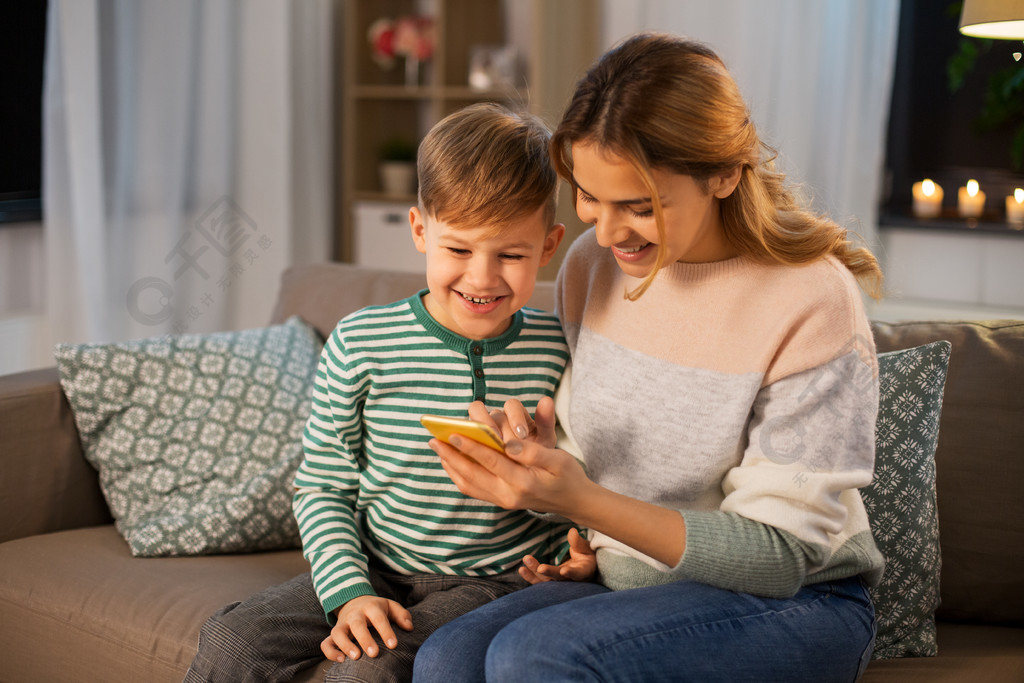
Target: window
(934, 132)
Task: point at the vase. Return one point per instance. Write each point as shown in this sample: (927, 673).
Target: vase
(398, 178)
(412, 72)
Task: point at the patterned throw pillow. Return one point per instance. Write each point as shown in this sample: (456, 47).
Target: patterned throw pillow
(900, 502)
(196, 437)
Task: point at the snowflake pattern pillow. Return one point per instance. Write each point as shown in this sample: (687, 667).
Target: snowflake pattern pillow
(196, 437)
(900, 502)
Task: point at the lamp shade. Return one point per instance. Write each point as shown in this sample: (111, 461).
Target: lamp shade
(993, 19)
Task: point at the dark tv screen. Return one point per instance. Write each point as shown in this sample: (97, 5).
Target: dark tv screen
(22, 40)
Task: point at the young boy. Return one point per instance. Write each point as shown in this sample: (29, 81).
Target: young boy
(390, 539)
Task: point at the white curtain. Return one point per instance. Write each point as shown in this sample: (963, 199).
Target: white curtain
(817, 75)
(187, 161)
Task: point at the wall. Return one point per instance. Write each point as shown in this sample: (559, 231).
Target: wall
(951, 274)
(24, 333)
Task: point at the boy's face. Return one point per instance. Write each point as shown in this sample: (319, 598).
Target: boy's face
(477, 281)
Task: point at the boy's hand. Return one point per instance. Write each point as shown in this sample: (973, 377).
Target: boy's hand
(581, 565)
(351, 636)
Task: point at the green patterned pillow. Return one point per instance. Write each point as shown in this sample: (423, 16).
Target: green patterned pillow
(900, 502)
(196, 437)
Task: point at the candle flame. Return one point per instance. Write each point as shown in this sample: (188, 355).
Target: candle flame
(1018, 195)
(928, 187)
(972, 188)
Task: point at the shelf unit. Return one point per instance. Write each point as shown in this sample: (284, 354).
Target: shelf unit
(558, 42)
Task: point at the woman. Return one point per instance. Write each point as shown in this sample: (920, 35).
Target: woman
(722, 399)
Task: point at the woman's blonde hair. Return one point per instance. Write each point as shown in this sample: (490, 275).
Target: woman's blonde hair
(664, 102)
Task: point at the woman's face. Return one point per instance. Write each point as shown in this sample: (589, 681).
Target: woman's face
(613, 197)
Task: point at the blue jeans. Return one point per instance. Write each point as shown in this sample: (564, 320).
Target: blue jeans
(684, 631)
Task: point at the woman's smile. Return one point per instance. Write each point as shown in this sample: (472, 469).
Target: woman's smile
(634, 252)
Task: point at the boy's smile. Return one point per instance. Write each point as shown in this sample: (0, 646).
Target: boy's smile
(480, 276)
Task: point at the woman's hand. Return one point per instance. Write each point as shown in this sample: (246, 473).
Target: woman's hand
(581, 565)
(514, 422)
(528, 476)
(532, 475)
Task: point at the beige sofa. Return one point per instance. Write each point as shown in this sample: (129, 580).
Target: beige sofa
(76, 606)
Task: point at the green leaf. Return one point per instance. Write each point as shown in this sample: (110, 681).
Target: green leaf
(1014, 84)
(961, 63)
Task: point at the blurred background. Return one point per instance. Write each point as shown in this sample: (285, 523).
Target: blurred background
(164, 162)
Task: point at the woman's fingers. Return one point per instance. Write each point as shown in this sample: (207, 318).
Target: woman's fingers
(545, 421)
(478, 411)
(526, 476)
(513, 420)
(519, 420)
(466, 473)
(482, 472)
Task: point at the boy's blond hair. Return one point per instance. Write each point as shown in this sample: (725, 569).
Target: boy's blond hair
(486, 165)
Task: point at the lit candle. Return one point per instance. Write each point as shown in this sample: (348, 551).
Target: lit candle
(927, 199)
(971, 200)
(1015, 207)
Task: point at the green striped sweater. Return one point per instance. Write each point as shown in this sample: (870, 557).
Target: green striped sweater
(369, 486)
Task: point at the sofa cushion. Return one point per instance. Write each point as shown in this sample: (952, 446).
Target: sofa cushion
(901, 499)
(196, 437)
(979, 465)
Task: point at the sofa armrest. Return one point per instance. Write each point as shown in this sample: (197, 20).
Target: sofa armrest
(47, 485)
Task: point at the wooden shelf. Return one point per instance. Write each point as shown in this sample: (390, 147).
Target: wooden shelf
(375, 105)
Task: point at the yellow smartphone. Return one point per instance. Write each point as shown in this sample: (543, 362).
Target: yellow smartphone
(443, 427)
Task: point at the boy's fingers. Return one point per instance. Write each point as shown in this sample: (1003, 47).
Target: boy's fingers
(342, 643)
(578, 543)
(531, 576)
(331, 650)
(401, 616)
(383, 627)
(575, 572)
(364, 638)
(547, 572)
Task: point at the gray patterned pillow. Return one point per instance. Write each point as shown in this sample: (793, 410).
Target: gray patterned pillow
(900, 502)
(196, 437)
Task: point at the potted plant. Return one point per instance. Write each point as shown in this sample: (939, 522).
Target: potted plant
(398, 166)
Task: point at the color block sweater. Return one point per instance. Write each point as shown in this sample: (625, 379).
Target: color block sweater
(742, 395)
(370, 485)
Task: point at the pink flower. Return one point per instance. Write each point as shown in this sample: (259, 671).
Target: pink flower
(408, 36)
(414, 37)
(382, 41)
